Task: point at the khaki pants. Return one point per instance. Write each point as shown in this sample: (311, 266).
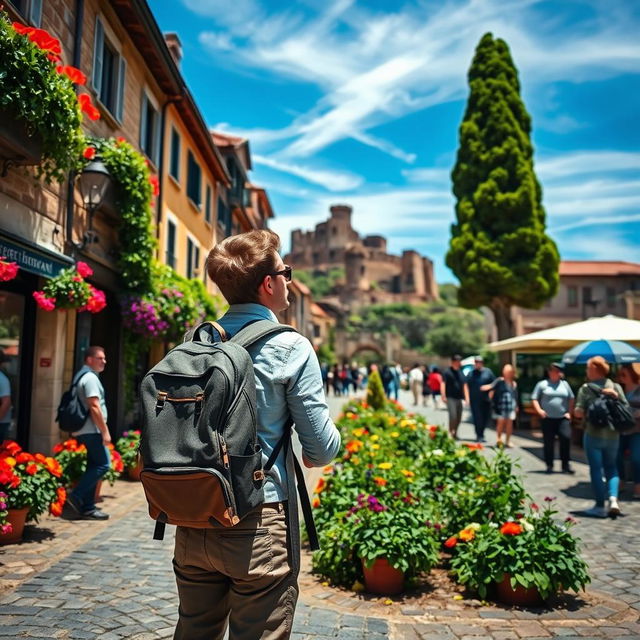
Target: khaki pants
(240, 575)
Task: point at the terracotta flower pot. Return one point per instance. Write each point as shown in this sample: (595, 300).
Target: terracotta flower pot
(134, 472)
(17, 519)
(519, 596)
(382, 578)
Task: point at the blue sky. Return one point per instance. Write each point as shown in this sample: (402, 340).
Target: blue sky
(360, 103)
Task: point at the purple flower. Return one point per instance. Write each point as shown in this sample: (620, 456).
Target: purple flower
(549, 499)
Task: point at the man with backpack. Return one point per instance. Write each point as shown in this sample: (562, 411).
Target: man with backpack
(601, 437)
(94, 435)
(245, 575)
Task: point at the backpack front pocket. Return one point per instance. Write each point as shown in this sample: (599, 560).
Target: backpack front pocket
(248, 479)
(189, 497)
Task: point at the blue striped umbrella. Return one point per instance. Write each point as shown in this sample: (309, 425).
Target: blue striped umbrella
(611, 350)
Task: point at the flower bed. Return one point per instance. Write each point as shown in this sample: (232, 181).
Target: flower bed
(405, 491)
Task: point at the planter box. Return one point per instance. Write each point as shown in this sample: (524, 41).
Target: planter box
(17, 146)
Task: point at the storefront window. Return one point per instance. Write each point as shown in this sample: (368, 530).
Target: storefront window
(11, 317)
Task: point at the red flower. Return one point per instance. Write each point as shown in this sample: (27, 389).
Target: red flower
(83, 268)
(155, 184)
(120, 139)
(511, 529)
(31, 468)
(8, 270)
(23, 29)
(84, 100)
(75, 75)
(48, 304)
(55, 509)
(24, 457)
(97, 302)
(40, 38)
(11, 447)
(451, 542)
(89, 153)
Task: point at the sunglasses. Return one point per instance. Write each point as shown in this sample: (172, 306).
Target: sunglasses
(286, 272)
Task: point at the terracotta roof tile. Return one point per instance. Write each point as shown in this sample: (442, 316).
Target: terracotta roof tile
(598, 268)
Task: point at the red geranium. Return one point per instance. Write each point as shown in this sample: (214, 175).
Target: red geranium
(48, 304)
(84, 100)
(83, 268)
(511, 529)
(89, 153)
(451, 542)
(8, 270)
(155, 184)
(40, 38)
(75, 75)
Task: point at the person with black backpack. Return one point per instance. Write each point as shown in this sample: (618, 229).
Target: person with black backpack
(597, 404)
(244, 573)
(93, 433)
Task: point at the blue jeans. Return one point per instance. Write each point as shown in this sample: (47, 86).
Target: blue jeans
(98, 462)
(632, 443)
(602, 454)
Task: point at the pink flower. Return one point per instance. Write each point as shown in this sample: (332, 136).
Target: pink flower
(8, 270)
(97, 302)
(45, 303)
(84, 269)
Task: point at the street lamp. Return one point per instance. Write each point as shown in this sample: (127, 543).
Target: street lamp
(93, 183)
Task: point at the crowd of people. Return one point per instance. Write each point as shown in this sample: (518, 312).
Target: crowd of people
(492, 398)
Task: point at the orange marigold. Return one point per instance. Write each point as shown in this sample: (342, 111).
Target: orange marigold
(353, 446)
(319, 486)
(467, 535)
(55, 509)
(381, 482)
(315, 503)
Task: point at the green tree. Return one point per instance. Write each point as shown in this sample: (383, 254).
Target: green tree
(499, 250)
(456, 331)
(376, 397)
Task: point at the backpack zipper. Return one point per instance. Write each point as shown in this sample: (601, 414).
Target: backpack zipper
(225, 451)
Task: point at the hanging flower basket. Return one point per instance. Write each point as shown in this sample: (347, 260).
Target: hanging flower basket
(70, 290)
(41, 113)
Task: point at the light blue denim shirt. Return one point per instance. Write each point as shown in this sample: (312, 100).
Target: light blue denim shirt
(288, 382)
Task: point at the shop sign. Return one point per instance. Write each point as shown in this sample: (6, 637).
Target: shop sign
(30, 259)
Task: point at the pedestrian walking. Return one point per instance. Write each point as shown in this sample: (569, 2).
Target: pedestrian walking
(454, 392)
(5, 401)
(600, 443)
(629, 378)
(504, 403)
(479, 401)
(553, 401)
(435, 382)
(426, 390)
(324, 372)
(246, 577)
(386, 376)
(416, 377)
(337, 381)
(94, 435)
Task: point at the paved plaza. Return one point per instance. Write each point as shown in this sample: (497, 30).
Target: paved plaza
(110, 580)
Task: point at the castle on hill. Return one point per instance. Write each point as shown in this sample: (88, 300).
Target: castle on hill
(372, 275)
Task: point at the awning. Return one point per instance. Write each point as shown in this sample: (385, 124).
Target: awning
(559, 339)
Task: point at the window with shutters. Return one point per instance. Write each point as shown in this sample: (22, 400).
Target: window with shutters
(174, 164)
(194, 179)
(572, 296)
(109, 70)
(171, 244)
(150, 129)
(30, 10)
(193, 259)
(612, 298)
(207, 204)
(224, 216)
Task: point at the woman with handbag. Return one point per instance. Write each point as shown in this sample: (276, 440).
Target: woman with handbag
(600, 443)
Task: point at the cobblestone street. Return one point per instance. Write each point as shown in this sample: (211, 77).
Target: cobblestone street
(110, 580)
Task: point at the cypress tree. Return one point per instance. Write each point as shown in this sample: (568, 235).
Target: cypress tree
(376, 397)
(499, 249)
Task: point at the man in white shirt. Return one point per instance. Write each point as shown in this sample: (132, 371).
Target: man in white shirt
(94, 435)
(416, 378)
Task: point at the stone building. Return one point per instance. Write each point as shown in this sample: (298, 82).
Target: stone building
(372, 275)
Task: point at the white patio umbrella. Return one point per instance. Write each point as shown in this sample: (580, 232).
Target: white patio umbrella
(562, 338)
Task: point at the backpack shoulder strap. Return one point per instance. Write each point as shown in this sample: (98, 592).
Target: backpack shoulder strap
(594, 388)
(256, 330)
(206, 327)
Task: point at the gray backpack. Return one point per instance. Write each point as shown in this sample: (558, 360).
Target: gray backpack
(202, 464)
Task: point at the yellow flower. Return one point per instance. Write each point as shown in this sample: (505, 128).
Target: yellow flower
(467, 534)
(385, 465)
(393, 421)
(324, 584)
(388, 601)
(375, 446)
(359, 432)
(358, 587)
(407, 474)
(374, 437)
(355, 460)
(10, 461)
(350, 415)
(458, 597)
(404, 423)
(480, 479)
(394, 434)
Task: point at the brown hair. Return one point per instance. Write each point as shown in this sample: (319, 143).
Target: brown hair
(92, 351)
(239, 264)
(599, 363)
(633, 374)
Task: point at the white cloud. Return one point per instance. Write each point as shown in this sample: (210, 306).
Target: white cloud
(330, 180)
(375, 67)
(584, 162)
